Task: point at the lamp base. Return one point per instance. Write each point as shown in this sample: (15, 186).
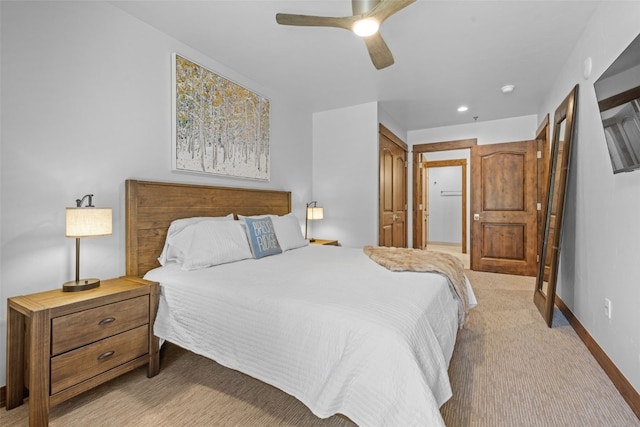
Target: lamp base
(81, 285)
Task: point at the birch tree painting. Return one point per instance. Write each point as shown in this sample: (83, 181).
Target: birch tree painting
(220, 127)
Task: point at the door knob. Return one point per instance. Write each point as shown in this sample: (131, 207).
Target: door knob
(476, 217)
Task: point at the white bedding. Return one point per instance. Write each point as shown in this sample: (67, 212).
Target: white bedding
(325, 324)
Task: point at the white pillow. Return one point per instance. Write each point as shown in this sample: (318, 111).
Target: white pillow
(288, 232)
(208, 243)
(168, 254)
(287, 229)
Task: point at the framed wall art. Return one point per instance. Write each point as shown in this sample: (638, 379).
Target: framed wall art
(219, 127)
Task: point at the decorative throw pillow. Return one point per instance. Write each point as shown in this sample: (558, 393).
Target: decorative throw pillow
(262, 237)
(287, 229)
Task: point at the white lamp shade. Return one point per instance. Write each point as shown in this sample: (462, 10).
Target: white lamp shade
(314, 213)
(88, 222)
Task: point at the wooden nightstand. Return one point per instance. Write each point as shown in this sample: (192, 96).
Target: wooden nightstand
(325, 242)
(60, 344)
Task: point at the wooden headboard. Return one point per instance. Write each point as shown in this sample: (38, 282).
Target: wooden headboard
(151, 206)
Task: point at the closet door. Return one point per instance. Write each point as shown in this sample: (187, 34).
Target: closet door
(393, 190)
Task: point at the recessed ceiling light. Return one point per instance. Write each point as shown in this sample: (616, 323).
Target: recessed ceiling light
(507, 88)
(462, 108)
(366, 27)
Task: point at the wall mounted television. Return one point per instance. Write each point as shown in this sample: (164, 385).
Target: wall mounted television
(618, 94)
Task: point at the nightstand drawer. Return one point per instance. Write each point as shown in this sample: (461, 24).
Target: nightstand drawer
(86, 362)
(77, 329)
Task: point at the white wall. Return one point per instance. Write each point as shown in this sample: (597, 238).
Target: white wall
(86, 104)
(345, 174)
(390, 123)
(445, 209)
(489, 132)
(600, 252)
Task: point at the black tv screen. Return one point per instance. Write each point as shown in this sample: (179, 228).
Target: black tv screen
(618, 93)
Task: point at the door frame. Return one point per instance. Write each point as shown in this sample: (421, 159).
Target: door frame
(418, 151)
(447, 163)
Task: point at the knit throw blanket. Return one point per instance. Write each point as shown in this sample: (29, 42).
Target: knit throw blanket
(418, 260)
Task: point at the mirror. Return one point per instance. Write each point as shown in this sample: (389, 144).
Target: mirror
(559, 161)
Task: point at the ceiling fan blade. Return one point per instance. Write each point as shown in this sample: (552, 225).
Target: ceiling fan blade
(378, 51)
(345, 22)
(386, 8)
(379, 10)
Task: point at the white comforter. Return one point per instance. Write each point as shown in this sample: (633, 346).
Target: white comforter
(325, 324)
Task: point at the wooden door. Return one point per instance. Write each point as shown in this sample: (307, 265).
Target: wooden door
(393, 190)
(503, 208)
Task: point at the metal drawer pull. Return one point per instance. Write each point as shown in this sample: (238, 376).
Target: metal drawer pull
(106, 354)
(106, 321)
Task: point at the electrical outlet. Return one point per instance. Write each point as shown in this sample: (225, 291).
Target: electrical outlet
(607, 307)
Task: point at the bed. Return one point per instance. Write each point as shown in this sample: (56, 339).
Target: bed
(325, 324)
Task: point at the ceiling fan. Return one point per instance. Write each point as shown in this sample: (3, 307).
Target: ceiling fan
(367, 17)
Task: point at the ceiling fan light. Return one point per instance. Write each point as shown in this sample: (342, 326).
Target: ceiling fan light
(366, 27)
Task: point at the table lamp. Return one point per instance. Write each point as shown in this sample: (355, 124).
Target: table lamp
(87, 221)
(313, 213)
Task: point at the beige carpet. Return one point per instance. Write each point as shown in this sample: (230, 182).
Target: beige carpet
(508, 369)
(453, 249)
